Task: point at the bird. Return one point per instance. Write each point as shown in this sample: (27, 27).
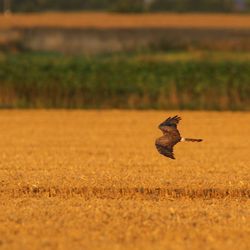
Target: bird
(171, 136)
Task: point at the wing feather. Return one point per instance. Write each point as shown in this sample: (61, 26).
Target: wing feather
(169, 122)
(166, 151)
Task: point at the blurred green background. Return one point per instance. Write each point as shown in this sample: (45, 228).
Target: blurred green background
(190, 70)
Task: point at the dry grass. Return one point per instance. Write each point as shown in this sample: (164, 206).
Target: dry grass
(93, 180)
(108, 20)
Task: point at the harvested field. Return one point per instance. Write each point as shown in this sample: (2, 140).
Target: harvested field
(109, 20)
(93, 180)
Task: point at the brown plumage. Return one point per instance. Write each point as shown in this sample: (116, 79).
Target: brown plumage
(171, 136)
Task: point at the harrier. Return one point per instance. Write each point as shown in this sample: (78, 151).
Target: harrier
(171, 136)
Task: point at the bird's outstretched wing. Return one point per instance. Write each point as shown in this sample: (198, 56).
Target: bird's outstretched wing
(169, 122)
(165, 150)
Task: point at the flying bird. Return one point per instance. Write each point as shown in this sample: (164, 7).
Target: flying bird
(171, 136)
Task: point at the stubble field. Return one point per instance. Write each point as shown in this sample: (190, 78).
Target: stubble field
(93, 180)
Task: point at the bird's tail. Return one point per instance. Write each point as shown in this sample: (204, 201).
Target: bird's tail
(191, 139)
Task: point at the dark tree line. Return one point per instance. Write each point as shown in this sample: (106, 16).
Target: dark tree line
(128, 5)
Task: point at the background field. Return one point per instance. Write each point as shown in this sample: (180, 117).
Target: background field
(97, 32)
(103, 60)
(93, 180)
(108, 20)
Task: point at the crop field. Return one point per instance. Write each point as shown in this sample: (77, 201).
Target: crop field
(93, 180)
(110, 20)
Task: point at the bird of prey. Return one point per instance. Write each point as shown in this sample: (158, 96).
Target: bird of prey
(171, 136)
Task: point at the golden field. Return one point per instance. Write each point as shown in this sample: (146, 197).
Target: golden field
(111, 20)
(93, 180)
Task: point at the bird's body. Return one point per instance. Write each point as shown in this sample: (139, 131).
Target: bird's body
(171, 136)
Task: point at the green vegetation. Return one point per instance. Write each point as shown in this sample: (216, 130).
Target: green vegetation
(172, 81)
